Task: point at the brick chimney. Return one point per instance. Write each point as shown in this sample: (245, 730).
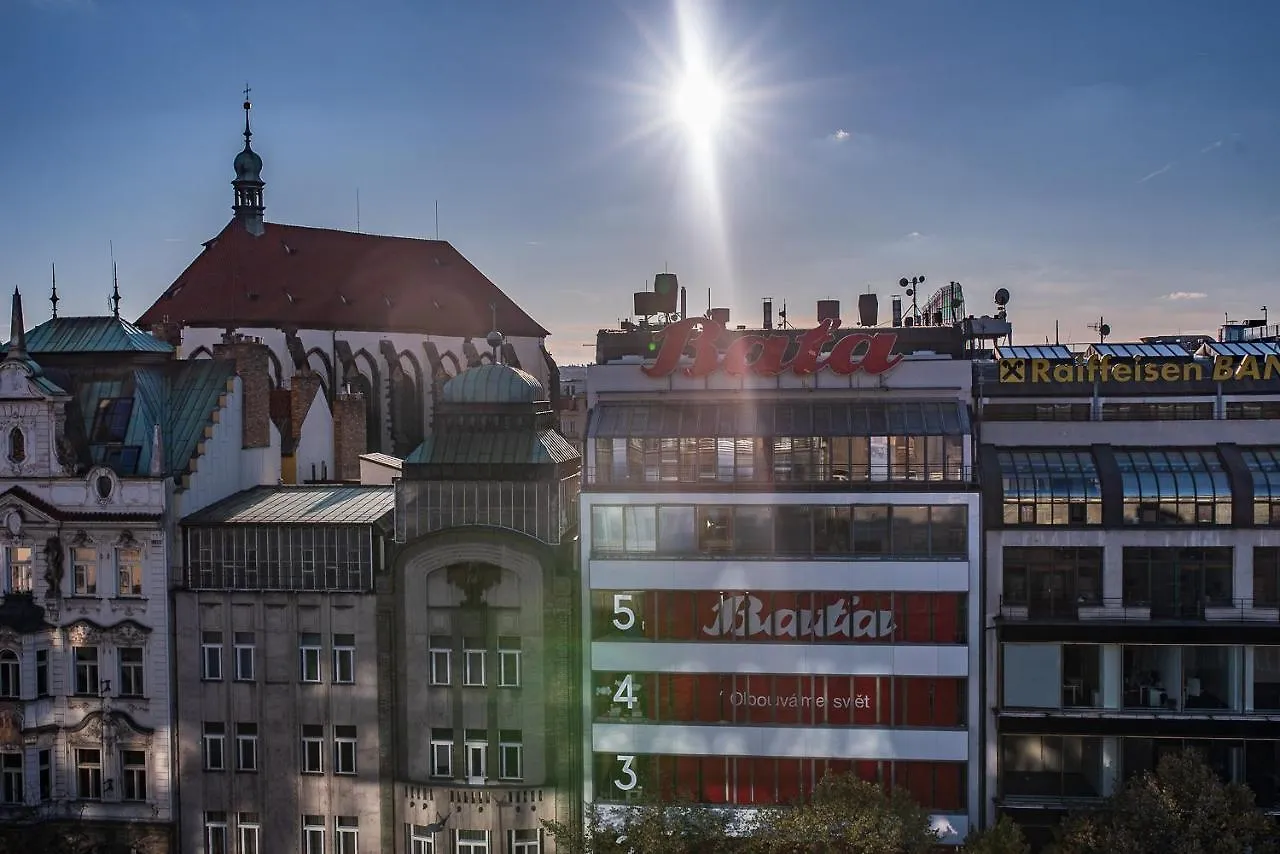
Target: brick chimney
(348, 434)
(253, 368)
(167, 331)
(303, 389)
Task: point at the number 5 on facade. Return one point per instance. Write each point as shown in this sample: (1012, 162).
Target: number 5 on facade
(624, 617)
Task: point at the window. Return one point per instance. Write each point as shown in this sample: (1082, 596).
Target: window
(1266, 577)
(1264, 468)
(345, 826)
(129, 572)
(344, 659)
(525, 841)
(88, 774)
(11, 789)
(1050, 766)
(111, 421)
(250, 829)
(1174, 487)
(344, 750)
(312, 749)
(243, 651)
(246, 747)
(131, 684)
(313, 834)
(1175, 582)
(215, 735)
(475, 752)
(215, 833)
(1050, 488)
(509, 662)
(421, 840)
(1052, 582)
(10, 674)
(473, 655)
(441, 753)
(441, 658)
(44, 767)
(211, 656)
(86, 665)
(472, 842)
(133, 767)
(18, 560)
(42, 672)
(17, 445)
(510, 755)
(84, 571)
(309, 651)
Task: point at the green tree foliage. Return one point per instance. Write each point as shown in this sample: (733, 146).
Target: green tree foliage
(647, 827)
(851, 816)
(1183, 808)
(1004, 837)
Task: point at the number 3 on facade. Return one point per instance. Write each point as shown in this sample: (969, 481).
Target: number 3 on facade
(624, 618)
(628, 780)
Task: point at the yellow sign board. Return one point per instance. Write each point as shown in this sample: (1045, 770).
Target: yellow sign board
(1104, 369)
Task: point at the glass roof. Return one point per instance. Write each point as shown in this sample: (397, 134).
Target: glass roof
(778, 418)
(1140, 351)
(1264, 465)
(1049, 474)
(1055, 352)
(1172, 474)
(1260, 349)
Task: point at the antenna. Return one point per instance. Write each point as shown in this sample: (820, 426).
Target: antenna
(1056, 339)
(114, 299)
(1102, 328)
(357, 210)
(437, 219)
(54, 297)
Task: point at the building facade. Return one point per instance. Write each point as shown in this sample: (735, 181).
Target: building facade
(1132, 556)
(780, 552)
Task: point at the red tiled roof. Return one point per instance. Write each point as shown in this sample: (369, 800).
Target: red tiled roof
(319, 278)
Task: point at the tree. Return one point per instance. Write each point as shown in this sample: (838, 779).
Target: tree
(1183, 808)
(849, 815)
(647, 827)
(1004, 837)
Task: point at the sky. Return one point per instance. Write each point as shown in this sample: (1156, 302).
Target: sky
(1095, 158)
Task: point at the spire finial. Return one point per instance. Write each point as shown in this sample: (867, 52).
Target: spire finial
(115, 286)
(53, 298)
(495, 337)
(248, 105)
(17, 330)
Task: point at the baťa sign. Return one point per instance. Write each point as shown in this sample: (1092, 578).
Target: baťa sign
(766, 355)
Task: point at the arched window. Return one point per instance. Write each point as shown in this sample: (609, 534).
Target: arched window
(17, 445)
(10, 674)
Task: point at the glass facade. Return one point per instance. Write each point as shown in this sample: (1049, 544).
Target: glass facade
(871, 531)
(1264, 466)
(280, 557)
(1052, 581)
(1174, 487)
(1177, 582)
(1050, 487)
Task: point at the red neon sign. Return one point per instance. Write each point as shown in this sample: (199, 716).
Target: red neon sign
(764, 355)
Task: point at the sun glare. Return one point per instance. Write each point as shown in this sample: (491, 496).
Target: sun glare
(698, 102)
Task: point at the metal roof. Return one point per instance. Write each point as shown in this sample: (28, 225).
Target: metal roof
(493, 384)
(300, 505)
(92, 335)
(527, 447)
(1055, 352)
(1140, 351)
(384, 460)
(1260, 349)
(778, 418)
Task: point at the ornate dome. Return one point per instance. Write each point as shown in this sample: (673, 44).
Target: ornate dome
(493, 384)
(248, 165)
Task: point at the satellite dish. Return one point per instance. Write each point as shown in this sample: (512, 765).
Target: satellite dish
(903, 282)
(1002, 296)
(1105, 330)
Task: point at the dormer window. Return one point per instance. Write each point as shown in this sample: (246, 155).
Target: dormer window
(17, 445)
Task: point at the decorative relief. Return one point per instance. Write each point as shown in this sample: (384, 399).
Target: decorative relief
(8, 637)
(13, 523)
(127, 607)
(127, 541)
(65, 451)
(82, 538)
(10, 727)
(89, 734)
(54, 567)
(128, 634)
(81, 634)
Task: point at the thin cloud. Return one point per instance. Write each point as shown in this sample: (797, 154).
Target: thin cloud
(1180, 295)
(915, 235)
(1163, 169)
(840, 135)
(1211, 146)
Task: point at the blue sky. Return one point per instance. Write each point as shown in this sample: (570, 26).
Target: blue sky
(1095, 158)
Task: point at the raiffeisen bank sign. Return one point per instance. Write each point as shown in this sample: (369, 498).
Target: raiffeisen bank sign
(1105, 369)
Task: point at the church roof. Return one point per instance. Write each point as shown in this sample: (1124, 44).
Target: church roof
(493, 384)
(318, 278)
(92, 335)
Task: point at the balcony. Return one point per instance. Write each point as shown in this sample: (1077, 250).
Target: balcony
(1071, 609)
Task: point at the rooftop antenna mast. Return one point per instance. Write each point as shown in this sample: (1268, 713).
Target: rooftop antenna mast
(357, 210)
(115, 284)
(437, 219)
(1102, 328)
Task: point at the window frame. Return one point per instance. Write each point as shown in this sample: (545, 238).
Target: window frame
(471, 654)
(242, 652)
(344, 659)
(84, 571)
(249, 833)
(312, 748)
(136, 577)
(18, 575)
(87, 672)
(346, 831)
(442, 748)
(215, 833)
(510, 662)
(210, 656)
(246, 735)
(310, 652)
(133, 776)
(313, 827)
(85, 774)
(133, 674)
(438, 655)
(13, 784)
(10, 674)
(345, 741)
(213, 737)
(513, 744)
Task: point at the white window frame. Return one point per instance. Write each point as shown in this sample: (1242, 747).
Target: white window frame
(473, 659)
(313, 834)
(421, 840)
(249, 831)
(214, 745)
(505, 772)
(246, 740)
(134, 777)
(476, 842)
(215, 833)
(17, 571)
(130, 585)
(132, 676)
(519, 841)
(88, 774)
(12, 779)
(84, 571)
(312, 747)
(346, 830)
(344, 660)
(243, 654)
(344, 744)
(442, 750)
(310, 655)
(470, 749)
(441, 665)
(89, 669)
(509, 664)
(10, 674)
(211, 656)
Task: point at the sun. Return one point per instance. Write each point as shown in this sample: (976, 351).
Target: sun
(698, 102)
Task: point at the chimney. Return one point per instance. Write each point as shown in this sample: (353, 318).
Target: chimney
(303, 389)
(167, 331)
(348, 435)
(251, 358)
(768, 312)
